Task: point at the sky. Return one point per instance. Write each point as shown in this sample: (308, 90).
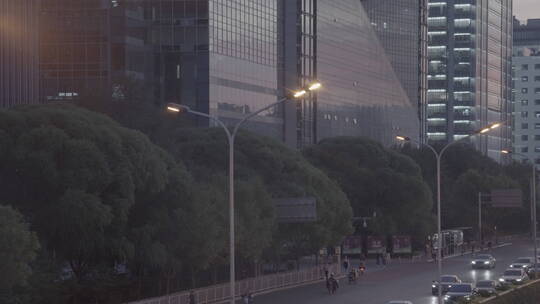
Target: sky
(527, 9)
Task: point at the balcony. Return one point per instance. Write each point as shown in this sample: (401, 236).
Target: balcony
(437, 129)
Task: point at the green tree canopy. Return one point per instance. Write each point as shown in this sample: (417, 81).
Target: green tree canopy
(19, 248)
(266, 169)
(377, 181)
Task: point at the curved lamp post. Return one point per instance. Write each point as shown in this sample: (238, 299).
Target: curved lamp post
(533, 201)
(178, 108)
(438, 156)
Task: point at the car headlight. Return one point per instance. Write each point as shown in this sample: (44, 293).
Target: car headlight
(433, 286)
(486, 262)
(524, 266)
(501, 280)
(467, 297)
(446, 297)
(473, 262)
(519, 280)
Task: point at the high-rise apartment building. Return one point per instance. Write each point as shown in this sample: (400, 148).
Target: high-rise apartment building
(526, 90)
(469, 81)
(401, 27)
(19, 78)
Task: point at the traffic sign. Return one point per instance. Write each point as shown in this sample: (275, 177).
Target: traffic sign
(506, 198)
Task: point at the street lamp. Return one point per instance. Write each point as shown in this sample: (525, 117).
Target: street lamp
(178, 108)
(533, 200)
(438, 156)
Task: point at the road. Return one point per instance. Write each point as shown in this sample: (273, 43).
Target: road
(405, 281)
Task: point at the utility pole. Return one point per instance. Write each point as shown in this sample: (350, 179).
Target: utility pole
(480, 218)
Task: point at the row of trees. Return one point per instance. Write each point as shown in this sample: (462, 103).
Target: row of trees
(94, 212)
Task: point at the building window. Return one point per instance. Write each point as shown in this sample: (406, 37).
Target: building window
(536, 78)
(524, 102)
(524, 149)
(537, 102)
(524, 90)
(537, 125)
(524, 125)
(537, 137)
(524, 67)
(537, 114)
(524, 78)
(537, 160)
(524, 137)
(536, 90)
(537, 66)
(537, 149)
(524, 114)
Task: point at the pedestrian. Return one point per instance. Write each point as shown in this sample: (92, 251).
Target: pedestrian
(346, 264)
(383, 258)
(388, 258)
(325, 272)
(192, 297)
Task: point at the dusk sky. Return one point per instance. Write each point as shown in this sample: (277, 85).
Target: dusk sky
(527, 9)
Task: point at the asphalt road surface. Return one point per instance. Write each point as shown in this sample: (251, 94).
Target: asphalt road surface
(399, 281)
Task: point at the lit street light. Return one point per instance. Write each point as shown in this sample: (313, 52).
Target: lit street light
(533, 201)
(178, 108)
(438, 156)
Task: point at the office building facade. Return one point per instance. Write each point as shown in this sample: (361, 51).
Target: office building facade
(230, 58)
(526, 90)
(362, 95)
(19, 58)
(401, 27)
(90, 48)
(469, 79)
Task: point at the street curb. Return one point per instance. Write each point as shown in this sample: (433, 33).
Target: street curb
(486, 300)
(470, 253)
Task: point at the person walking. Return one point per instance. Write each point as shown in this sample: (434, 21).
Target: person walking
(325, 269)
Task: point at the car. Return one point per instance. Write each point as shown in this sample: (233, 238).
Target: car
(523, 262)
(486, 288)
(446, 282)
(400, 302)
(514, 275)
(483, 261)
(460, 293)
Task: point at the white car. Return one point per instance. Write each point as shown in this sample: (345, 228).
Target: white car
(483, 261)
(523, 262)
(514, 275)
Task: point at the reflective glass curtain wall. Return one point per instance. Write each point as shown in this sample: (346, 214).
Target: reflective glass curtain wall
(401, 27)
(244, 62)
(362, 95)
(19, 78)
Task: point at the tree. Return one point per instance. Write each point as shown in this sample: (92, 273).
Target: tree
(266, 169)
(377, 181)
(466, 172)
(78, 177)
(19, 249)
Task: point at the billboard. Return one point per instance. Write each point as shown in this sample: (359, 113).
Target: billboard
(376, 244)
(296, 210)
(352, 245)
(401, 244)
(506, 198)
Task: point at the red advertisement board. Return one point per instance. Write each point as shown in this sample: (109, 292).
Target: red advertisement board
(401, 244)
(376, 244)
(352, 245)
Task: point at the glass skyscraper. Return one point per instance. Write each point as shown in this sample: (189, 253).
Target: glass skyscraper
(401, 27)
(362, 95)
(469, 81)
(230, 58)
(19, 78)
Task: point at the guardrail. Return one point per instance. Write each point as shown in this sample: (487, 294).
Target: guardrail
(220, 293)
